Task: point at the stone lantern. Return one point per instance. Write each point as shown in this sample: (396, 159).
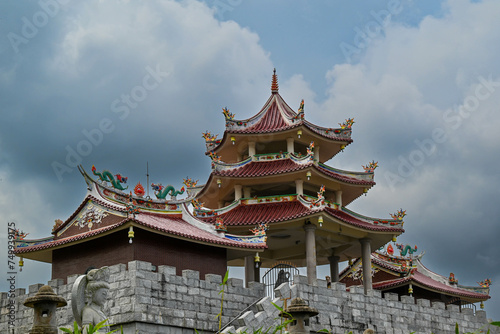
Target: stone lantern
(300, 313)
(44, 304)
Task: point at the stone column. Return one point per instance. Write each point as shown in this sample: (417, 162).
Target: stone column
(338, 198)
(237, 191)
(310, 253)
(299, 187)
(367, 263)
(246, 192)
(251, 149)
(316, 153)
(249, 270)
(290, 145)
(334, 268)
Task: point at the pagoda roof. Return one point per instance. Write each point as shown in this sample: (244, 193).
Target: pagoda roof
(286, 163)
(419, 279)
(289, 207)
(277, 117)
(410, 270)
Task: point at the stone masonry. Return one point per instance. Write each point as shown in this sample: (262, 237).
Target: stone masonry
(145, 301)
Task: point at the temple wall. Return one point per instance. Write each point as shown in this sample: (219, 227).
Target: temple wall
(147, 302)
(146, 246)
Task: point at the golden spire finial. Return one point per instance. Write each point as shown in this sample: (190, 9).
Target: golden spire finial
(274, 84)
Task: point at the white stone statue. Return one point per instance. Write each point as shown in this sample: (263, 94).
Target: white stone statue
(94, 288)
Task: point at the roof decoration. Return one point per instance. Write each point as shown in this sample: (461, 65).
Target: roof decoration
(161, 192)
(347, 124)
(300, 112)
(188, 182)
(208, 136)
(139, 190)
(399, 215)
(274, 83)
(485, 284)
(405, 249)
(452, 279)
(106, 176)
(18, 234)
(90, 216)
(219, 225)
(260, 230)
(196, 204)
(58, 222)
(132, 210)
(321, 193)
(357, 272)
(310, 149)
(228, 115)
(371, 166)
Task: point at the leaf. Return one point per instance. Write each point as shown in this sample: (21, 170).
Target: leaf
(66, 330)
(495, 323)
(224, 281)
(456, 328)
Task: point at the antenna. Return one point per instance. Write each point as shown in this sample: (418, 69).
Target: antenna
(147, 177)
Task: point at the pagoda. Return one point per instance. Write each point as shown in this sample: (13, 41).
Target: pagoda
(406, 275)
(269, 176)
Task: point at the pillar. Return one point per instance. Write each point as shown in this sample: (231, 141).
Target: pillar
(367, 263)
(338, 198)
(316, 153)
(334, 268)
(310, 253)
(237, 191)
(249, 269)
(290, 145)
(299, 187)
(251, 149)
(246, 192)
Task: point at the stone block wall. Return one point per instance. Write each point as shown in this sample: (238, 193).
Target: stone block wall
(144, 301)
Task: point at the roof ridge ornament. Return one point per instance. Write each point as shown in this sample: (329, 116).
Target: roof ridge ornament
(274, 83)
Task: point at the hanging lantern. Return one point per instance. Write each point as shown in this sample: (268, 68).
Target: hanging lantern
(481, 305)
(233, 140)
(130, 234)
(394, 238)
(342, 147)
(257, 260)
(320, 221)
(308, 174)
(219, 182)
(410, 289)
(299, 133)
(21, 263)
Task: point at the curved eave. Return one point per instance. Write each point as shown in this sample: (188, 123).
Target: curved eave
(39, 252)
(279, 212)
(422, 281)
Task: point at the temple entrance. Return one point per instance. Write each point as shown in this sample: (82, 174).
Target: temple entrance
(279, 273)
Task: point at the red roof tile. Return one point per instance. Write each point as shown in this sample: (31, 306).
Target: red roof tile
(283, 211)
(263, 168)
(428, 282)
(274, 167)
(173, 225)
(262, 213)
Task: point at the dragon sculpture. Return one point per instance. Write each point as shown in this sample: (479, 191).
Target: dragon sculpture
(347, 124)
(370, 167)
(486, 283)
(229, 116)
(161, 191)
(404, 249)
(106, 176)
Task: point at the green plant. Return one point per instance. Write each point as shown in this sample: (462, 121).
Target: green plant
(221, 292)
(90, 330)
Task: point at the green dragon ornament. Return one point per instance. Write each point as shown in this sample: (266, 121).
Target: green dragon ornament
(106, 176)
(161, 192)
(406, 249)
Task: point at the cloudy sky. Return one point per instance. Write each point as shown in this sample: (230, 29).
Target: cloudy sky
(119, 84)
